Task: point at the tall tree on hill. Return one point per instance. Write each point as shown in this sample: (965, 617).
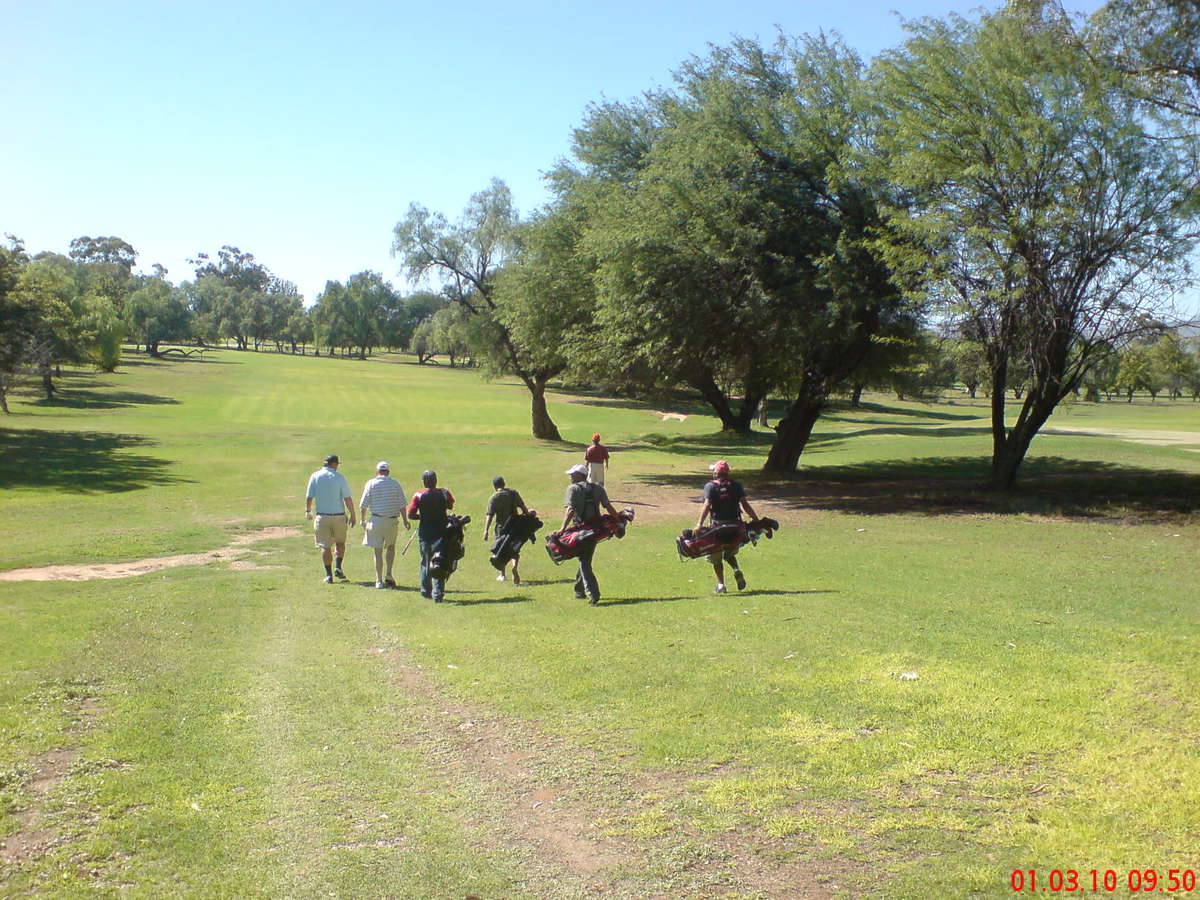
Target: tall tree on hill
(465, 257)
(1046, 214)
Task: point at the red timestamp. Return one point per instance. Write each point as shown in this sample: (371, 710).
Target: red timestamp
(1103, 881)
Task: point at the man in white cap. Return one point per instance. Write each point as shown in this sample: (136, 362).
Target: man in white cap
(328, 489)
(384, 498)
(583, 504)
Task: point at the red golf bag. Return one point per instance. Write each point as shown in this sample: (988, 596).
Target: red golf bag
(566, 544)
(722, 536)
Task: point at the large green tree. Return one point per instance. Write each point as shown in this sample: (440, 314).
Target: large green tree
(735, 246)
(1041, 211)
(465, 256)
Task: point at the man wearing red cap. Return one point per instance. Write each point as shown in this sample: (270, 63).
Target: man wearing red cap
(596, 457)
(724, 499)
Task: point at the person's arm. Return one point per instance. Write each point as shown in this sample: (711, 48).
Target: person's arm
(449, 498)
(704, 511)
(749, 509)
(487, 526)
(521, 504)
(414, 510)
(606, 503)
(308, 500)
(350, 509)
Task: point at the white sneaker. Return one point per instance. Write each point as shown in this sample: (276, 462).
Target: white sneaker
(720, 588)
(379, 584)
(500, 577)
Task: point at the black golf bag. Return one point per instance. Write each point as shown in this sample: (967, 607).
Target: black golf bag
(450, 549)
(518, 531)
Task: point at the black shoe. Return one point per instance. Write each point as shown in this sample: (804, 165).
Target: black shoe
(593, 601)
(579, 596)
(338, 573)
(390, 581)
(426, 596)
(740, 579)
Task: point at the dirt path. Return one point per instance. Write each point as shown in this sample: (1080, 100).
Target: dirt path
(588, 824)
(234, 553)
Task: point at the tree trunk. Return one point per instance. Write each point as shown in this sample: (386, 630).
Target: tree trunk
(715, 397)
(543, 426)
(762, 412)
(47, 382)
(745, 415)
(793, 431)
(1006, 463)
(4, 401)
(856, 396)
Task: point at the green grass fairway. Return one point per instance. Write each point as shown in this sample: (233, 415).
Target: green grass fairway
(924, 687)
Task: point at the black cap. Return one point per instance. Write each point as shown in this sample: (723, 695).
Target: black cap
(331, 459)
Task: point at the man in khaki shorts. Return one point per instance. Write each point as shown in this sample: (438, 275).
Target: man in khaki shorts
(384, 498)
(329, 490)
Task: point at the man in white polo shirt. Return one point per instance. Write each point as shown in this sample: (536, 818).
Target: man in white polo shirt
(384, 498)
(329, 490)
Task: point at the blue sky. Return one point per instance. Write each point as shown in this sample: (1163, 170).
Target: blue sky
(301, 131)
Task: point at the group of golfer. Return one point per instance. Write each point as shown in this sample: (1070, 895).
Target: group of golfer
(383, 507)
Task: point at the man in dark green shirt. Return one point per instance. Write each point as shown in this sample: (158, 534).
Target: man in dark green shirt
(501, 507)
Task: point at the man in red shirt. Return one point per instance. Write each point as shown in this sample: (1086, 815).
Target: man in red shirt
(596, 457)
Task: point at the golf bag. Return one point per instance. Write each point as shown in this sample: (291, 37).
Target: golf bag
(518, 531)
(450, 549)
(723, 535)
(566, 544)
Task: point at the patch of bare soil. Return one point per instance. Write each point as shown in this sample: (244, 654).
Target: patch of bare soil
(571, 814)
(34, 835)
(234, 553)
(1155, 438)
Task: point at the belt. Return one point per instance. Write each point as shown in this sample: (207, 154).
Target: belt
(378, 516)
(330, 514)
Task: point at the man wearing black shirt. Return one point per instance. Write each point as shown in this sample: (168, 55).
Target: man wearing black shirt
(724, 499)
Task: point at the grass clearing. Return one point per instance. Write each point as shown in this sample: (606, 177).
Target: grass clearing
(924, 687)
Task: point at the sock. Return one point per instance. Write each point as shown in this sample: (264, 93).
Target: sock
(339, 563)
(328, 570)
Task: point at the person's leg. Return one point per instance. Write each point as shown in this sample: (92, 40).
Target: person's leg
(586, 575)
(426, 582)
(438, 585)
(718, 570)
(341, 554)
(516, 574)
(390, 580)
(378, 566)
(738, 577)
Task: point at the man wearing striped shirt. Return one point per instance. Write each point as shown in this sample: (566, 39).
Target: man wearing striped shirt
(384, 498)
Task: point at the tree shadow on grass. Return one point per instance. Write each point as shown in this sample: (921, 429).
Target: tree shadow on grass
(81, 398)
(1072, 488)
(83, 462)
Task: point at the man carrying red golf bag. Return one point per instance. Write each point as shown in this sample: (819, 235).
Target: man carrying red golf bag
(724, 500)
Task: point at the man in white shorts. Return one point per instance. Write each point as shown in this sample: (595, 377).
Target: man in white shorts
(384, 498)
(329, 490)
